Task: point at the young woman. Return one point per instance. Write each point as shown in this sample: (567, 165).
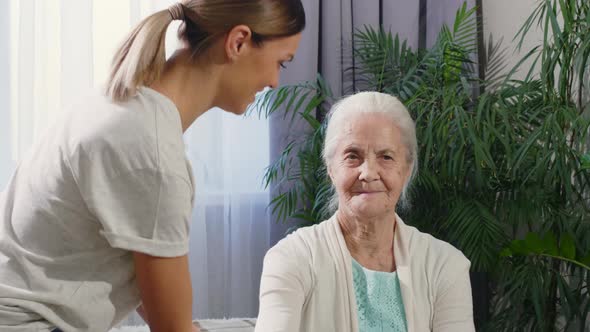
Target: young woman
(95, 219)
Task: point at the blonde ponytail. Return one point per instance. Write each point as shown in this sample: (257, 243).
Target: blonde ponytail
(141, 58)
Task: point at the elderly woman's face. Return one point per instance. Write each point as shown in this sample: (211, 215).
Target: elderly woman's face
(369, 167)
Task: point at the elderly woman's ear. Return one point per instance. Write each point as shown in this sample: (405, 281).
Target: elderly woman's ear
(410, 166)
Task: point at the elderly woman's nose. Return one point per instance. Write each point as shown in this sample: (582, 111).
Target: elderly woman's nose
(368, 170)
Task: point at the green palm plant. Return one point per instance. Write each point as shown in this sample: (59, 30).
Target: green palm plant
(504, 166)
(300, 168)
(545, 175)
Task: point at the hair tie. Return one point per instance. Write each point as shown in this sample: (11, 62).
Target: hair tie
(177, 11)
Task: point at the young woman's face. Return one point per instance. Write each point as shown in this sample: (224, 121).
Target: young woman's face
(255, 70)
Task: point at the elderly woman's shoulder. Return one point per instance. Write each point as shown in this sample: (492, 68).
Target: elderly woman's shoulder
(304, 242)
(433, 249)
(304, 237)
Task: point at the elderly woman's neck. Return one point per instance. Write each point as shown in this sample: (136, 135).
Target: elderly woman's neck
(370, 241)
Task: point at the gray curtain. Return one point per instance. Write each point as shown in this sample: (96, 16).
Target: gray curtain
(326, 48)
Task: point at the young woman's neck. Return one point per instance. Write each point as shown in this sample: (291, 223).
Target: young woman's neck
(192, 86)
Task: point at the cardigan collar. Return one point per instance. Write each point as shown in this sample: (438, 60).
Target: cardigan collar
(401, 254)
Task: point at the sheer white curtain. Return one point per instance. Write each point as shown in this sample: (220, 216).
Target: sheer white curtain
(54, 51)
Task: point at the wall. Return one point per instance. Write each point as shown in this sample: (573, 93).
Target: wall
(502, 19)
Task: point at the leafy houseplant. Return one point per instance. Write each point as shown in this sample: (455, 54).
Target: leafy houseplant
(504, 169)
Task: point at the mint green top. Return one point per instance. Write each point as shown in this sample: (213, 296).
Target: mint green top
(379, 300)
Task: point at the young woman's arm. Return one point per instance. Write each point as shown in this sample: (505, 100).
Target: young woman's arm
(166, 292)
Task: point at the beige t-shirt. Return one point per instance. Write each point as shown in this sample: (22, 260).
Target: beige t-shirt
(104, 181)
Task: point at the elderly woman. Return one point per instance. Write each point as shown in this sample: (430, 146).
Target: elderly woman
(364, 269)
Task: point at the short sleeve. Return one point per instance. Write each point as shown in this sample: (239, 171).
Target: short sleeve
(143, 210)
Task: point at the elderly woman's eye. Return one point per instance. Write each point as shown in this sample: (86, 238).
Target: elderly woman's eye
(351, 157)
(386, 157)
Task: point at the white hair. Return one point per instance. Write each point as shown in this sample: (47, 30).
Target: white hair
(371, 102)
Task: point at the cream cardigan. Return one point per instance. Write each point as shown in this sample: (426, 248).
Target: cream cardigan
(306, 283)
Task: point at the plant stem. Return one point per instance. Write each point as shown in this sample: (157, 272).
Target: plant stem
(568, 260)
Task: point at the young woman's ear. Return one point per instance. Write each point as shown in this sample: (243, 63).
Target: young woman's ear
(237, 41)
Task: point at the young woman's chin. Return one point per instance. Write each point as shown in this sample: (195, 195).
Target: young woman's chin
(237, 109)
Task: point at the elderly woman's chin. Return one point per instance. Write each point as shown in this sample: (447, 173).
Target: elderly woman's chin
(369, 205)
